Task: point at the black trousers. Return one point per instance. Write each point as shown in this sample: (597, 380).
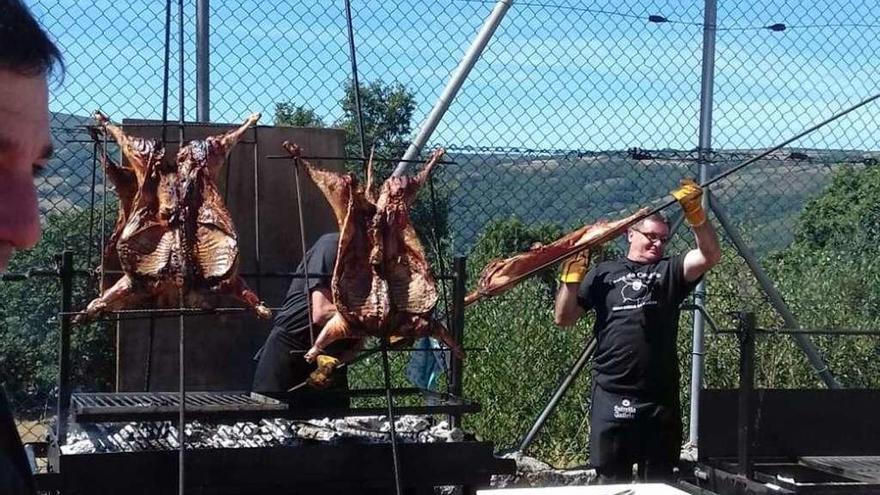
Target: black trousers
(279, 369)
(15, 472)
(626, 430)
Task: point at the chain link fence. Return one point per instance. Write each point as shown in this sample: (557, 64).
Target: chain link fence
(575, 111)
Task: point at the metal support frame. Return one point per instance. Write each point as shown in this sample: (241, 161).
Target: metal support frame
(355, 83)
(803, 341)
(203, 61)
(181, 422)
(703, 151)
(181, 418)
(456, 367)
(258, 264)
(566, 382)
(389, 402)
(307, 468)
(746, 335)
(66, 272)
(458, 77)
(297, 166)
(148, 362)
(109, 407)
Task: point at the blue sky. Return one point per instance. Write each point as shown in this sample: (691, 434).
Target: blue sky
(552, 77)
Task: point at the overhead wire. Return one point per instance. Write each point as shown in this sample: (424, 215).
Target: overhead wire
(656, 18)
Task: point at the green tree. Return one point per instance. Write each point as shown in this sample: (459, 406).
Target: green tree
(387, 113)
(848, 211)
(29, 321)
(292, 115)
(828, 277)
(831, 268)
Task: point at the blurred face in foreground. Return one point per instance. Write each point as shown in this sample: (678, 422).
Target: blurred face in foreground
(25, 148)
(647, 240)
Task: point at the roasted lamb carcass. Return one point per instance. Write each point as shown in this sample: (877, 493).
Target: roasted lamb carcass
(382, 284)
(176, 237)
(499, 276)
(125, 183)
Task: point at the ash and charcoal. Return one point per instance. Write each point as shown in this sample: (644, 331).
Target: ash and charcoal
(531, 472)
(163, 435)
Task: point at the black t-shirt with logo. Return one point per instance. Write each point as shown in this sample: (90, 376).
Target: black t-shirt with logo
(637, 310)
(280, 363)
(292, 320)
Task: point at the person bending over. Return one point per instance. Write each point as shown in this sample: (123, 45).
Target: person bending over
(281, 361)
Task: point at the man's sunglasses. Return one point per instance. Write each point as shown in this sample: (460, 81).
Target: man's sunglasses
(652, 237)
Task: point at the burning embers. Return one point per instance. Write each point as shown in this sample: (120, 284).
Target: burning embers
(162, 435)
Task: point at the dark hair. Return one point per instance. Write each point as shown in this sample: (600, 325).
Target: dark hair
(24, 47)
(656, 217)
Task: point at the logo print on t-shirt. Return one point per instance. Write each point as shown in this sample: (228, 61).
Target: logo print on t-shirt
(625, 410)
(635, 290)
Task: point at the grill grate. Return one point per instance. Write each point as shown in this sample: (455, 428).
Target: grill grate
(154, 406)
(164, 399)
(99, 407)
(866, 468)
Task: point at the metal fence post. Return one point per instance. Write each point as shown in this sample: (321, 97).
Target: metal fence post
(66, 274)
(203, 61)
(458, 77)
(705, 148)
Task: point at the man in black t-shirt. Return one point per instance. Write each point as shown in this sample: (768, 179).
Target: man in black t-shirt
(281, 362)
(635, 415)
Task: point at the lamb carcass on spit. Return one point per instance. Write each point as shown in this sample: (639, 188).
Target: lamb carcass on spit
(382, 284)
(174, 236)
(499, 276)
(125, 183)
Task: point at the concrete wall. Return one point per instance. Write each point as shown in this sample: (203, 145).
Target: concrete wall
(219, 349)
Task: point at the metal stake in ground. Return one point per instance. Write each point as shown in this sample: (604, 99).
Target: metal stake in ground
(258, 262)
(182, 427)
(387, 372)
(297, 166)
(356, 85)
(65, 270)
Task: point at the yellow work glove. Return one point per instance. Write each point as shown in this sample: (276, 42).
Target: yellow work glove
(322, 377)
(574, 269)
(690, 196)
